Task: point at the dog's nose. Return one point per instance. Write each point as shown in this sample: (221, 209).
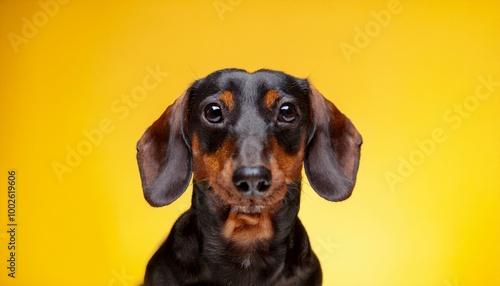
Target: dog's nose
(252, 180)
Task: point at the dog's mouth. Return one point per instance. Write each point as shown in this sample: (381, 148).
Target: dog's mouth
(251, 209)
(248, 224)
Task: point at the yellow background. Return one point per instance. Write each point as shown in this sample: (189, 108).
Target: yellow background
(418, 216)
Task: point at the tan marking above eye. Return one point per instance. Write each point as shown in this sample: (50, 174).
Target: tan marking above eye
(227, 98)
(270, 98)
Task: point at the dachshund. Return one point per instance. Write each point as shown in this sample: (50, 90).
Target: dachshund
(244, 137)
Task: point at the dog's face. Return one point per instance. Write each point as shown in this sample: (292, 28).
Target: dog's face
(248, 134)
(246, 137)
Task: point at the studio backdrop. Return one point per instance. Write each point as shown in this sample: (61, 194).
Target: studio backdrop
(80, 81)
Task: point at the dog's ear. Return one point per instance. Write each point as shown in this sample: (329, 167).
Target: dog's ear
(164, 156)
(332, 154)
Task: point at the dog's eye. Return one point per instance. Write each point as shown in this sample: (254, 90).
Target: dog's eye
(213, 113)
(288, 113)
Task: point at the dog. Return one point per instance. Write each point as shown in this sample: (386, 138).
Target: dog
(244, 137)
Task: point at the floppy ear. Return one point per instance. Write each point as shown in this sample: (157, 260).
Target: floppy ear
(332, 154)
(164, 157)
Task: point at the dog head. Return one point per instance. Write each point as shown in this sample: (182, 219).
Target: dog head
(247, 137)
